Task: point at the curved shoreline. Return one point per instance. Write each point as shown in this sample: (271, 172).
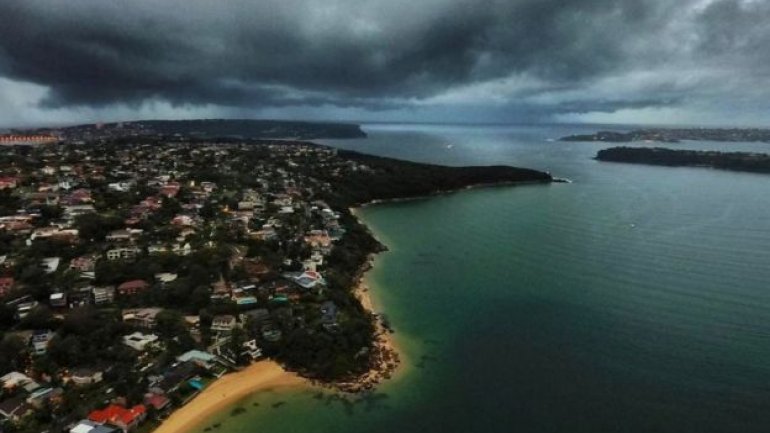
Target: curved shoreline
(387, 357)
(266, 375)
(227, 390)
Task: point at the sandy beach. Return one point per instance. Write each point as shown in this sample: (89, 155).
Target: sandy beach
(222, 393)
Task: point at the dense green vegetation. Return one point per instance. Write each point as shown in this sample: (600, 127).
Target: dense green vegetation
(738, 161)
(390, 178)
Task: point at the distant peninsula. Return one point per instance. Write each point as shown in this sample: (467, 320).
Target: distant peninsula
(206, 128)
(736, 161)
(665, 135)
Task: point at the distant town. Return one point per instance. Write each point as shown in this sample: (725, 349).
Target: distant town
(199, 128)
(135, 269)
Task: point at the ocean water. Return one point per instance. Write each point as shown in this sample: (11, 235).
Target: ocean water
(635, 299)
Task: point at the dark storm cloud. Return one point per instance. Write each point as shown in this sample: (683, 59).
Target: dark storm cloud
(360, 53)
(737, 30)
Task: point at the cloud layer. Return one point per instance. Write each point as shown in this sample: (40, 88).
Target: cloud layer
(477, 59)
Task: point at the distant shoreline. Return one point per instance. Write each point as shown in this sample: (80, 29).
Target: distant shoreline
(732, 161)
(208, 129)
(676, 135)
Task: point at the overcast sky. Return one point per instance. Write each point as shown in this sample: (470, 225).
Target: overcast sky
(625, 61)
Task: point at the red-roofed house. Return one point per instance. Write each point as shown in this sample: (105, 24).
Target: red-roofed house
(79, 196)
(133, 287)
(127, 419)
(8, 182)
(158, 401)
(6, 285)
(170, 189)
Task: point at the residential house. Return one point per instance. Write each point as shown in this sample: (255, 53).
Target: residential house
(14, 408)
(106, 429)
(141, 317)
(251, 349)
(156, 400)
(40, 341)
(139, 341)
(198, 357)
(307, 279)
(178, 249)
(173, 378)
(223, 323)
(246, 205)
(46, 198)
(208, 187)
(171, 189)
(255, 317)
(17, 223)
(80, 296)
(103, 295)
(15, 379)
(255, 268)
(83, 264)
(133, 287)
(41, 396)
(24, 308)
(318, 238)
(86, 426)
(52, 232)
(58, 300)
(83, 426)
(183, 220)
(78, 197)
(123, 253)
(119, 186)
(73, 211)
(86, 376)
(50, 264)
(124, 235)
(165, 277)
(127, 419)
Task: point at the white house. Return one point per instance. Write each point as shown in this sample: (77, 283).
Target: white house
(139, 341)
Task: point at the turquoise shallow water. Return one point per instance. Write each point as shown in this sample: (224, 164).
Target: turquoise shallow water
(632, 300)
